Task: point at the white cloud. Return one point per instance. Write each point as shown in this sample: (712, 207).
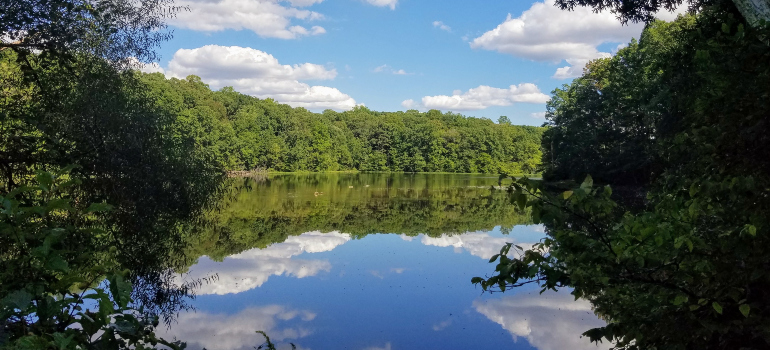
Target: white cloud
(267, 18)
(442, 26)
(538, 115)
(383, 3)
(574, 70)
(409, 104)
(548, 321)
(483, 97)
(546, 33)
(258, 73)
(388, 69)
(252, 268)
(152, 67)
(237, 332)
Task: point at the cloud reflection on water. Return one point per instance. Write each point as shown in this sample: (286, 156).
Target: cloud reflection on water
(548, 321)
(479, 244)
(250, 269)
(236, 332)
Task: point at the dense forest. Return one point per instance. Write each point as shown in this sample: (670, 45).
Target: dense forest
(242, 132)
(667, 233)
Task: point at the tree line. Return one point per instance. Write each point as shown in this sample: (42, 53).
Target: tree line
(241, 132)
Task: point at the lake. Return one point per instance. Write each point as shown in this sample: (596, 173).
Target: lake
(368, 261)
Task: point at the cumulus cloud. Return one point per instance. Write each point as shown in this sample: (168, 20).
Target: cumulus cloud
(267, 18)
(538, 115)
(236, 332)
(388, 69)
(481, 97)
(548, 321)
(546, 33)
(258, 73)
(383, 3)
(410, 104)
(442, 26)
(252, 268)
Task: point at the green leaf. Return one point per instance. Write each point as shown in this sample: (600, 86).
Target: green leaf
(476, 280)
(567, 194)
(98, 207)
(717, 307)
(494, 257)
(61, 341)
(745, 309)
(587, 183)
(521, 200)
(120, 289)
(19, 299)
(45, 179)
(56, 263)
(680, 299)
(751, 229)
(725, 28)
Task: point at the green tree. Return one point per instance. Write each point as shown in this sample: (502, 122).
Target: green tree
(680, 260)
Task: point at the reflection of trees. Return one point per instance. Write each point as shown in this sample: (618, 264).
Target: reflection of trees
(260, 214)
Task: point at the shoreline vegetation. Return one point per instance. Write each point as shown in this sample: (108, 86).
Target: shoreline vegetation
(251, 173)
(673, 248)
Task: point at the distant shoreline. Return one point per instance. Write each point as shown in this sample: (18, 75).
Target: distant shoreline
(247, 173)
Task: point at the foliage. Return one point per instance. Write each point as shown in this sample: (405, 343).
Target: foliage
(245, 133)
(635, 11)
(54, 292)
(99, 118)
(688, 269)
(687, 266)
(112, 29)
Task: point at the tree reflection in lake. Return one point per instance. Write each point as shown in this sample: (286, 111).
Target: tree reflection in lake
(302, 258)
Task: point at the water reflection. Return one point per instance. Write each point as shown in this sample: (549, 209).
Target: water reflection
(235, 332)
(550, 321)
(381, 267)
(252, 268)
(478, 244)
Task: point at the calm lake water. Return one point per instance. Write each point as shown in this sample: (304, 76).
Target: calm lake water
(369, 261)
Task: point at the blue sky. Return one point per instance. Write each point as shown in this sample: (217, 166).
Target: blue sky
(483, 59)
